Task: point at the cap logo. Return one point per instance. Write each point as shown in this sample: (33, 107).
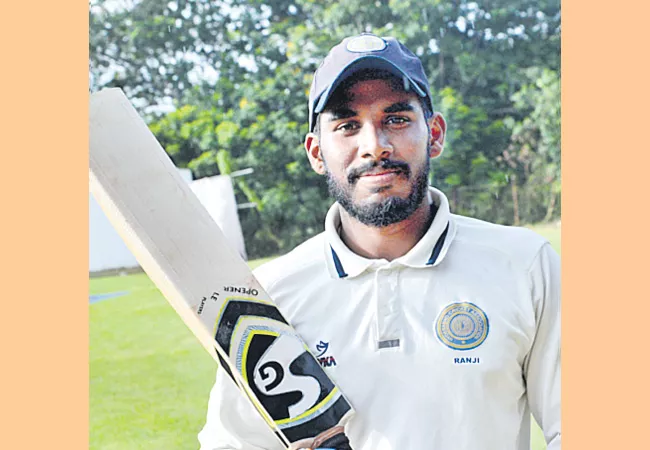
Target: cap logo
(366, 43)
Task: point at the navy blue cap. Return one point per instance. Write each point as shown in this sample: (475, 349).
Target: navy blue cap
(365, 51)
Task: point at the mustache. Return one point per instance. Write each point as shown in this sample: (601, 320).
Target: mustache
(388, 164)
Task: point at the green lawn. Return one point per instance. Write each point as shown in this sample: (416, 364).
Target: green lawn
(149, 376)
(552, 232)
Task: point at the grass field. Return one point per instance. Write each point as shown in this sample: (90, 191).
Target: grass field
(552, 232)
(149, 377)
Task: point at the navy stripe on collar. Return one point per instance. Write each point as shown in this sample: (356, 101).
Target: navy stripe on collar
(438, 247)
(338, 265)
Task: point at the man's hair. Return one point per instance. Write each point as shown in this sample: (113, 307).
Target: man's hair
(339, 95)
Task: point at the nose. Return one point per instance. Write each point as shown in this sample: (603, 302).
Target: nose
(373, 142)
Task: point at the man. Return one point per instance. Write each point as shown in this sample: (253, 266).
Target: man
(442, 331)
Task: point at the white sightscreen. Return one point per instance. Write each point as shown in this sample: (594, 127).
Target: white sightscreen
(106, 248)
(218, 197)
(107, 251)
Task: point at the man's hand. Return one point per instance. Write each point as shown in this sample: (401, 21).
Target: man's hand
(333, 439)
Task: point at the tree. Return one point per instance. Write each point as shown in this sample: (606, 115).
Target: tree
(538, 133)
(234, 76)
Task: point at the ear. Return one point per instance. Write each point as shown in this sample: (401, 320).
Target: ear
(438, 128)
(312, 146)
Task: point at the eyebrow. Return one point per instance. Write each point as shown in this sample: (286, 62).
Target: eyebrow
(342, 113)
(399, 107)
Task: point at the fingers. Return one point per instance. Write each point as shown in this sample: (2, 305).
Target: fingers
(303, 444)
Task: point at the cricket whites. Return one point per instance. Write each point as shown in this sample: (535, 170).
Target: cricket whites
(186, 255)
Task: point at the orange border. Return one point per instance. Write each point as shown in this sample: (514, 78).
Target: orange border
(44, 330)
(605, 121)
(44, 190)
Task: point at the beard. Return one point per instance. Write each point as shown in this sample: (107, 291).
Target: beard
(390, 210)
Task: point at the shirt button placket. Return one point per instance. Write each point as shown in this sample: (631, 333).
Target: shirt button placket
(388, 308)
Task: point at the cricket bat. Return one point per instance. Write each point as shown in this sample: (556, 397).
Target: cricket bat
(187, 256)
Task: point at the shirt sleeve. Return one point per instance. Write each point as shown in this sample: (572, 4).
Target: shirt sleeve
(542, 367)
(232, 422)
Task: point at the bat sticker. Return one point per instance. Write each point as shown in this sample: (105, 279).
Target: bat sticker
(285, 377)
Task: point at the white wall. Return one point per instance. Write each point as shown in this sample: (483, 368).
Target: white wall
(218, 197)
(107, 250)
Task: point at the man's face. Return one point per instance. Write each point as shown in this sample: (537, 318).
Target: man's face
(374, 143)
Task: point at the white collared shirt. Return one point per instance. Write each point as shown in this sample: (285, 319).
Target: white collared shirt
(449, 347)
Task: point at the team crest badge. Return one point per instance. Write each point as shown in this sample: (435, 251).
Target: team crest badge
(462, 326)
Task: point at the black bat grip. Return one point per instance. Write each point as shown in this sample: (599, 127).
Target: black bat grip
(338, 442)
(332, 439)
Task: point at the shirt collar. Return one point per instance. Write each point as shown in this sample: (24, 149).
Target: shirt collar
(428, 252)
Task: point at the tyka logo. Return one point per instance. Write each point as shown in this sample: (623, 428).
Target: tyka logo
(322, 348)
(323, 360)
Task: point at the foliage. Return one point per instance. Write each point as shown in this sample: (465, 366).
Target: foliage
(224, 86)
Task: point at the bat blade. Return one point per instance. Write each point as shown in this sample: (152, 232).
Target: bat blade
(187, 256)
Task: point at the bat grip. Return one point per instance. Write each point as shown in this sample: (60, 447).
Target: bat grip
(333, 438)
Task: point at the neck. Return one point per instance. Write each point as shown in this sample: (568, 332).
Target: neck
(388, 242)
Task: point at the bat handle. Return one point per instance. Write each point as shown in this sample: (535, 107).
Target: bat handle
(334, 438)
